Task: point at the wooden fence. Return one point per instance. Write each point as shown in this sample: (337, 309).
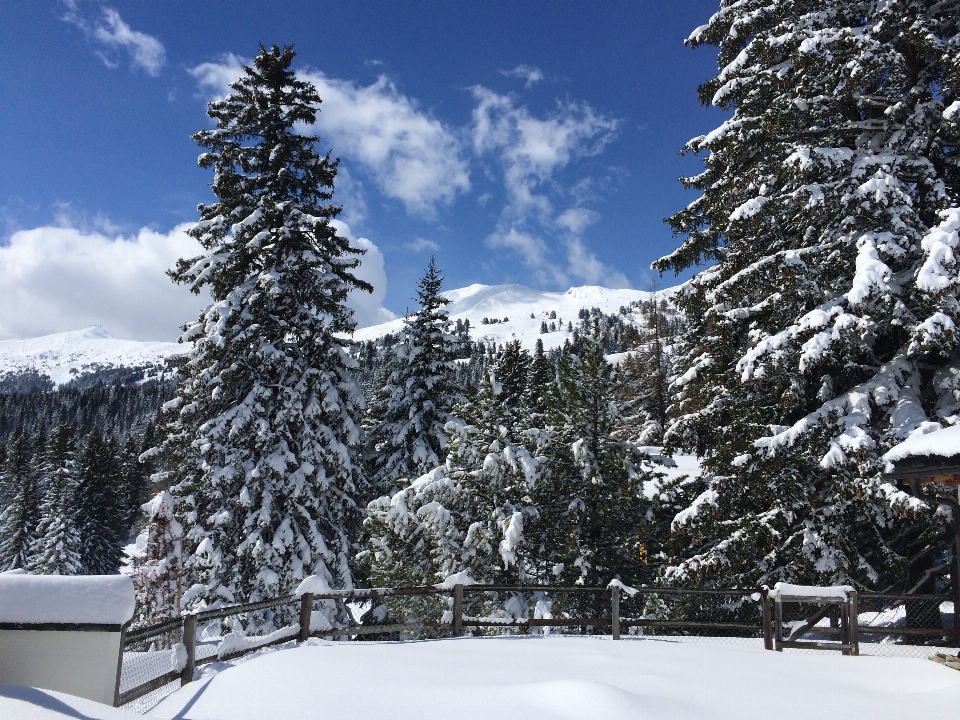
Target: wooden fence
(186, 626)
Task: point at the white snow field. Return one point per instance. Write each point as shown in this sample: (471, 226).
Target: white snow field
(517, 303)
(534, 678)
(65, 355)
(24, 703)
(541, 678)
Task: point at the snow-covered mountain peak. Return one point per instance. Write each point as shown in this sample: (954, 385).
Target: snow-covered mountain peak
(511, 312)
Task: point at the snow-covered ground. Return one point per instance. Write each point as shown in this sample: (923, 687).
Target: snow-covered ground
(517, 303)
(560, 677)
(63, 356)
(536, 678)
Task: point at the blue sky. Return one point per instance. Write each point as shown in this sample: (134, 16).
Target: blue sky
(529, 142)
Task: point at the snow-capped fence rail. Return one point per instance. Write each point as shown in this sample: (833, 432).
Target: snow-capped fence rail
(159, 658)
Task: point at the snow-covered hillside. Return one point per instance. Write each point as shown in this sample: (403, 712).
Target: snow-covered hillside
(64, 356)
(513, 305)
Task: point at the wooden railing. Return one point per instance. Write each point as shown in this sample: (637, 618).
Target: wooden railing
(301, 631)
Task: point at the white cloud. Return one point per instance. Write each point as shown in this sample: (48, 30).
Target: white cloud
(585, 266)
(582, 264)
(421, 244)
(411, 156)
(576, 220)
(146, 52)
(527, 73)
(54, 279)
(534, 252)
(367, 307)
(532, 150)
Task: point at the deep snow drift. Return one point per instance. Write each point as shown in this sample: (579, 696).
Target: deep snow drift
(541, 678)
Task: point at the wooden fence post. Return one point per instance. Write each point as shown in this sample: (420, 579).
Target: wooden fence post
(765, 610)
(306, 611)
(778, 625)
(855, 623)
(615, 612)
(190, 643)
(457, 610)
(116, 689)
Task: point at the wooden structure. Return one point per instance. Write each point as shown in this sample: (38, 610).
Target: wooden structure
(918, 466)
(844, 599)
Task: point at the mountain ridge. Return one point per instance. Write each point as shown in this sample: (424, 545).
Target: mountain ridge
(70, 355)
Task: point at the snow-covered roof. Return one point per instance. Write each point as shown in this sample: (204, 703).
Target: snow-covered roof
(943, 443)
(78, 599)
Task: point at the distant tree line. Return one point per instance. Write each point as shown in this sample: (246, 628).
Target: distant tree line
(68, 502)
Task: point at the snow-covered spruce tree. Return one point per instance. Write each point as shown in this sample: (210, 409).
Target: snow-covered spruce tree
(101, 518)
(58, 546)
(595, 491)
(468, 515)
(824, 330)
(643, 387)
(416, 402)
(263, 433)
(540, 374)
(157, 566)
(20, 517)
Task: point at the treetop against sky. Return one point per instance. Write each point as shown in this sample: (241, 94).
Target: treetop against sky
(531, 142)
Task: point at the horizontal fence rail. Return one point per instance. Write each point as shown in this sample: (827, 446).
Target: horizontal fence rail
(162, 657)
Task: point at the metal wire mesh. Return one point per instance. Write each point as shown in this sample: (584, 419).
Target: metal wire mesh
(717, 615)
(906, 625)
(226, 633)
(152, 660)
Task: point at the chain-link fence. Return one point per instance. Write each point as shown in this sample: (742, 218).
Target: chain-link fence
(153, 658)
(160, 658)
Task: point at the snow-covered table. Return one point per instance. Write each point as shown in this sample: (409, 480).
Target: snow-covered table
(843, 596)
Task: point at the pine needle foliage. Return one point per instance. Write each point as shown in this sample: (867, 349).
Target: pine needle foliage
(263, 434)
(416, 402)
(823, 331)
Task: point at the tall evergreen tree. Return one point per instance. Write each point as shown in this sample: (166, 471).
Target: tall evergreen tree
(824, 332)
(416, 402)
(262, 436)
(101, 516)
(597, 479)
(645, 373)
(58, 546)
(466, 515)
(20, 517)
(539, 376)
